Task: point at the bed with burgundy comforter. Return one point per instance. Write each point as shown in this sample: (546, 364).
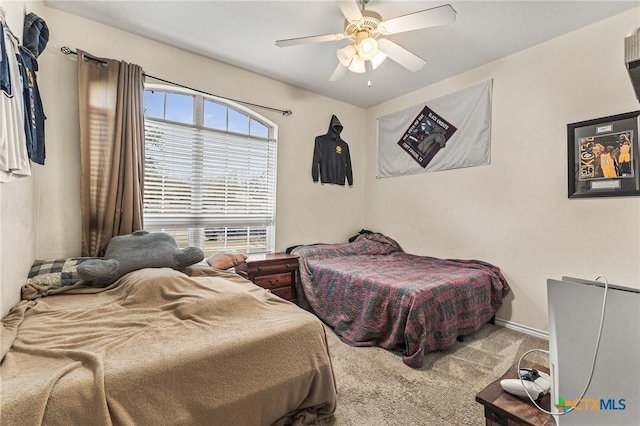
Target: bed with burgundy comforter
(374, 294)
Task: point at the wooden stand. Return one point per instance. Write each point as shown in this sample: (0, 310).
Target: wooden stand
(274, 271)
(503, 409)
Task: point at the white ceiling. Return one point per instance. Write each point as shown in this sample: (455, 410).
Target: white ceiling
(243, 34)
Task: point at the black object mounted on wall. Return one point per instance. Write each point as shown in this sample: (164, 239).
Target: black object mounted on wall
(331, 157)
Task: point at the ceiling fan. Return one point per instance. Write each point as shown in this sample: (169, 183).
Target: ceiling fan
(366, 30)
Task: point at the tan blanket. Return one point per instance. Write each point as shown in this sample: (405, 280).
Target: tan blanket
(160, 347)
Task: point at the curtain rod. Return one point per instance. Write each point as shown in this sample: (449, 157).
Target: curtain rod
(68, 51)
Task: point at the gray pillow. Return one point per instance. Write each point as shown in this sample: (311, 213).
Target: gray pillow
(141, 249)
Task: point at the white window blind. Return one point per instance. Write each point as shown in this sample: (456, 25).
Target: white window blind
(209, 188)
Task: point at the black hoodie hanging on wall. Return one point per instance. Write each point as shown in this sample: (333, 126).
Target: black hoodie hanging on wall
(331, 159)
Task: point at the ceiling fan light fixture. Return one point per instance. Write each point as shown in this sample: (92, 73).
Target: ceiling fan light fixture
(368, 48)
(357, 65)
(366, 31)
(346, 54)
(378, 59)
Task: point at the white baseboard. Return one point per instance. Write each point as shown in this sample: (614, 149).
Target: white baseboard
(522, 328)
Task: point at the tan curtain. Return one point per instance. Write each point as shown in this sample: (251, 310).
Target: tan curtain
(111, 148)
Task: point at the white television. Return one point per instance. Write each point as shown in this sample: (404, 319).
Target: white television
(613, 397)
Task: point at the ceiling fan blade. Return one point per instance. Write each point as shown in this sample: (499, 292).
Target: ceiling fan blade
(400, 55)
(350, 9)
(440, 15)
(311, 39)
(339, 72)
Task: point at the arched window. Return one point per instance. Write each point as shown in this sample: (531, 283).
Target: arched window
(210, 172)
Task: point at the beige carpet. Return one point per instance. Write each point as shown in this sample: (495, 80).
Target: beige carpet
(376, 388)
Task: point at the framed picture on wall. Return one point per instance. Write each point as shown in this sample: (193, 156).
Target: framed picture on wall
(604, 156)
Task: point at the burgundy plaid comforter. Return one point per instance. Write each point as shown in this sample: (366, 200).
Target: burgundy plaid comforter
(374, 294)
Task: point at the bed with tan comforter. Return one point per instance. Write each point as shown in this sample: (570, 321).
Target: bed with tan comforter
(162, 347)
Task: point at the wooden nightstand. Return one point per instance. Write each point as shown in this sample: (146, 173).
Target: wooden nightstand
(273, 271)
(503, 409)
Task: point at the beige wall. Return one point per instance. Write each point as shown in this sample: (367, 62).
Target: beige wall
(18, 223)
(306, 212)
(515, 212)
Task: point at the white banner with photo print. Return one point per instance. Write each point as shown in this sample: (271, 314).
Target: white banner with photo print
(449, 132)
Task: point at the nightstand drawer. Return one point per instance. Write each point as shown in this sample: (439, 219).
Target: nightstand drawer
(274, 281)
(273, 268)
(284, 292)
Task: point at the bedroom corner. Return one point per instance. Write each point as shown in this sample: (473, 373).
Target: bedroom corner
(515, 211)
